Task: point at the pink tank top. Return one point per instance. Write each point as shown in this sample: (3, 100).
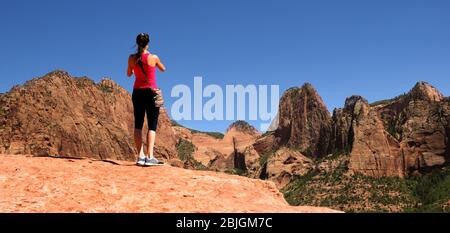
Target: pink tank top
(145, 79)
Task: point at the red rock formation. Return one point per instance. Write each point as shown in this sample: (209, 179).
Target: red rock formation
(226, 153)
(395, 138)
(419, 121)
(60, 185)
(182, 133)
(62, 115)
(303, 124)
(285, 164)
(303, 130)
(342, 131)
(268, 143)
(304, 121)
(374, 151)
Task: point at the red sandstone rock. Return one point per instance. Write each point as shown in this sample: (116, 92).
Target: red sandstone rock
(420, 122)
(304, 125)
(304, 121)
(406, 135)
(226, 153)
(285, 164)
(182, 133)
(35, 184)
(374, 151)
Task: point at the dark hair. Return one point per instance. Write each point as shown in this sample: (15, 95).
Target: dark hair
(141, 42)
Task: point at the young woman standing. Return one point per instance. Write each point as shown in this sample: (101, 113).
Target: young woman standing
(143, 65)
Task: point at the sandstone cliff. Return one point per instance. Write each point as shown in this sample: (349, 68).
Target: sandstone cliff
(303, 133)
(403, 136)
(399, 137)
(223, 153)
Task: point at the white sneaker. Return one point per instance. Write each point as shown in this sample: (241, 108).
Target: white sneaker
(141, 161)
(153, 162)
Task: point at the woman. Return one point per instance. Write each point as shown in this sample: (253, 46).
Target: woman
(143, 65)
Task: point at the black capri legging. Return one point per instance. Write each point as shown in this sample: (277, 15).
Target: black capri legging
(143, 102)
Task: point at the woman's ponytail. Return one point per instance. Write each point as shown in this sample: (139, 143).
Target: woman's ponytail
(141, 42)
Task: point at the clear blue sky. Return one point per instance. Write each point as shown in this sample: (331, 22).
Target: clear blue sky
(378, 49)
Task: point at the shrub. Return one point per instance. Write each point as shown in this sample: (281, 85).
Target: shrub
(185, 151)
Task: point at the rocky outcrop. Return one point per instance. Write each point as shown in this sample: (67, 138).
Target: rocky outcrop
(304, 124)
(208, 147)
(227, 153)
(398, 137)
(268, 143)
(240, 134)
(342, 134)
(304, 121)
(419, 121)
(182, 133)
(241, 127)
(286, 163)
(424, 91)
(303, 133)
(60, 115)
(405, 135)
(61, 185)
(374, 152)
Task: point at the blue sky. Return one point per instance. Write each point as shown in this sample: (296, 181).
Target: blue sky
(377, 49)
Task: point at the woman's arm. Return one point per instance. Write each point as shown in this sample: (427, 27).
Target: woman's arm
(159, 64)
(130, 65)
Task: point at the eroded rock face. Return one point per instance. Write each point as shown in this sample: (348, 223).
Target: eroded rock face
(268, 143)
(286, 163)
(406, 135)
(240, 134)
(252, 162)
(61, 115)
(303, 132)
(342, 131)
(419, 121)
(182, 133)
(304, 121)
(230, 152)
(425, 91)
(374, 151)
